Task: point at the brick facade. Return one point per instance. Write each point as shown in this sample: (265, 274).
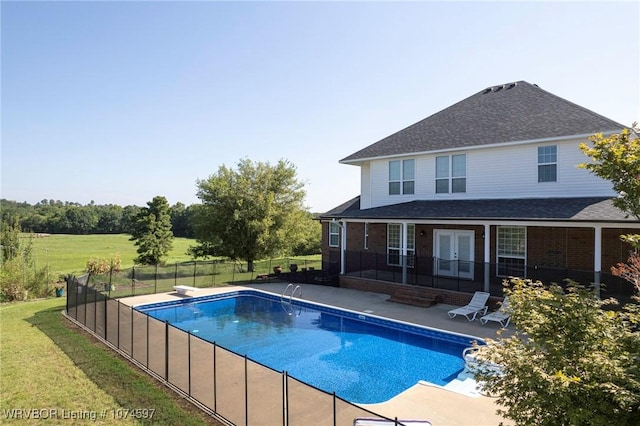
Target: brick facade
(548, 247)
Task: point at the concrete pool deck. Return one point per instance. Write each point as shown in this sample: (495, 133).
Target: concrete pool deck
(422, 401)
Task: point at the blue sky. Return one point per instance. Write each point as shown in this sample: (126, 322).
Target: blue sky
(118, 102)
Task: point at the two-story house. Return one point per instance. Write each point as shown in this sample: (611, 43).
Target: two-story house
(484, 189)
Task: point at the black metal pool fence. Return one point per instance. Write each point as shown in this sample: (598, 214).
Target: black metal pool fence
(211, 273)
(229, 386)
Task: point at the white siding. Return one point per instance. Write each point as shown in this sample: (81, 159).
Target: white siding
(497, 172)
(365, 186)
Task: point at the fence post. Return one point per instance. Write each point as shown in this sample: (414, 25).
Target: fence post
(166, 350)
(195, 266)
(215, 380)
(246, 391)
(133, 279)
(175, 275)
(118, 329)
(286, 396)
(147, 364)
(335, 420)
(131, 310)
(106, 306)
(189, 359)
(155, 280)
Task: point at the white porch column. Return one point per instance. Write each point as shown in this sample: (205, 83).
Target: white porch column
(487, 256)
(405, 231)
(343, 246)
(597, 258)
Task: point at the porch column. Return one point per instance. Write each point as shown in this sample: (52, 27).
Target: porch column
(405, 231)
(343, 246)
(597, 258)
(487, 256)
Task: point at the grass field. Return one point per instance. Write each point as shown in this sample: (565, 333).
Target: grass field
(68, 254)
(48, 364)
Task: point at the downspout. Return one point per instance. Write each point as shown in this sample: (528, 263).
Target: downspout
(343, 247)
(405, 238)
(343, 243)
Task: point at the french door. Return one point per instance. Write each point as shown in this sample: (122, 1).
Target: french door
(454, 253)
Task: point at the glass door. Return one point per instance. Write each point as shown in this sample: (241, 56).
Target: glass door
(454, 253)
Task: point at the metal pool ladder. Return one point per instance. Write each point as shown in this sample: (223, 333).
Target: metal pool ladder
(286, 304)
(293, 292)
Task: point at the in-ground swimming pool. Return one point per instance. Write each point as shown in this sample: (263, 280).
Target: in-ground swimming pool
(363, 358)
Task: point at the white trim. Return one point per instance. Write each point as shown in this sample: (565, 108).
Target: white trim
(477, 147)
(513, 222)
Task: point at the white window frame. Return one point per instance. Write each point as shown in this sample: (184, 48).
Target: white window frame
(394, 253)
(451, 176)
(406, 183)
(512, 249)
(547, 158)
(334, 233)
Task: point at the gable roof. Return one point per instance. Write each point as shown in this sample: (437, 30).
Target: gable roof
(583, 209)
(512, 112)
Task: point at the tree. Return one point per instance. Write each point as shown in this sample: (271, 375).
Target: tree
(152, 232)
(19, 277)
(181, 220)
(250, 213)
(617, 158)
(570, 362)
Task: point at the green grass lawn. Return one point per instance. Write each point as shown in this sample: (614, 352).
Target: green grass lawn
(46, 363)
(68, 254)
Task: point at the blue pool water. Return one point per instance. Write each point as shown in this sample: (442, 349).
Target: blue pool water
(364, 359)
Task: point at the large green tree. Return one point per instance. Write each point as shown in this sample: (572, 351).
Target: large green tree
(571, 361)
(616, 158)
(152, 232)
(253, 212)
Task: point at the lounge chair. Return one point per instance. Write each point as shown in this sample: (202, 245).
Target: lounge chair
(365, 421)
(478, 304)
(502, 315)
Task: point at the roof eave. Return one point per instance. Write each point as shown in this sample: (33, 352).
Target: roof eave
(357, 161)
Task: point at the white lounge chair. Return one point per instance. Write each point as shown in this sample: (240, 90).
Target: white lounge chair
(478, 304)
(365, 421)
(501, 315)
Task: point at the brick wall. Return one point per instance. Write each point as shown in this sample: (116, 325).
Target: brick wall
(447, 297)
(570, 248)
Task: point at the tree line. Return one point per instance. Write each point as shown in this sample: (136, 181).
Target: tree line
(58, 217)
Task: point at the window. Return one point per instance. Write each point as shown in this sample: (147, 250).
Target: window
(334, 234)
(451, 174)
(402, 176)
(548, 163)
(394, 244)
(366, 236)
(512, 243)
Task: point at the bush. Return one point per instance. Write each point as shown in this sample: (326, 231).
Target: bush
(100, 266)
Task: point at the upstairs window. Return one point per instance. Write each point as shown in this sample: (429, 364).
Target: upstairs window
(451, 174)
(334, 234)
(548, 163)
(402, 175)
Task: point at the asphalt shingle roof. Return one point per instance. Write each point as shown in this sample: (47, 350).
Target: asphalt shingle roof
(511, 112)
(589, 209)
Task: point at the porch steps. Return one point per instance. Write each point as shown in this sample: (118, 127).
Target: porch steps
(415, 296)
